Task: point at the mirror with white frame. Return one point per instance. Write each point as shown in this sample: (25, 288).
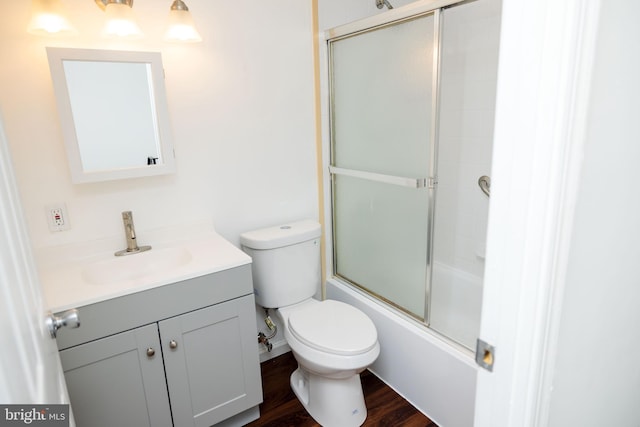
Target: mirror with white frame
(113, 111)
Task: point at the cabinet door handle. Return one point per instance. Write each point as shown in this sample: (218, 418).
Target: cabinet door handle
(173, 344)
(151, 352)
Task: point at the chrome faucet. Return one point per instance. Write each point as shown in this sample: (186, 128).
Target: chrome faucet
(130, 235)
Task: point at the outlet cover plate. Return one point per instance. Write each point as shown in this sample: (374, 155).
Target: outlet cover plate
(57, 217)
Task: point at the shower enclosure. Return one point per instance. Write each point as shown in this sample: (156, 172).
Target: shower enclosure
(411, 119)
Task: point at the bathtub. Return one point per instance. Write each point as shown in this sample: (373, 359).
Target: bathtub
(456, 300)
(435, 375)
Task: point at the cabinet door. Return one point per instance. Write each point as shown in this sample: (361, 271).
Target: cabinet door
(211, 361)
(113, 382)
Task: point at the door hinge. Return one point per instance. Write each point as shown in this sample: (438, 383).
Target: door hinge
(485, 355)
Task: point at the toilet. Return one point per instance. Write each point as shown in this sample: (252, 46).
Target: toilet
(331, 341)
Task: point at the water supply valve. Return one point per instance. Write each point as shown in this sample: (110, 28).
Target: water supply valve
(262, 339)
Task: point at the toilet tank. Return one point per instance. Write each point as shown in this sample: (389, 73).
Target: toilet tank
(286, 262)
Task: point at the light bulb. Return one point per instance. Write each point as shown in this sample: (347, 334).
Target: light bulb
(120, 22)
(181, 27)
(47, 18)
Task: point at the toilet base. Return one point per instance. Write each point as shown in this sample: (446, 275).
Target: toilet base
(331, 402)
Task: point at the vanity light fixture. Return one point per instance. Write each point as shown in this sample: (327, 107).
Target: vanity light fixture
(47, 18)
(181, 27)
(120, 20)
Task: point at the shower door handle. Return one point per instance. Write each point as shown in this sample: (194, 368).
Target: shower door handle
(485, 185)
(387, 179)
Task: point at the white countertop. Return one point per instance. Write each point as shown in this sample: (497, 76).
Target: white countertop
(66, 284)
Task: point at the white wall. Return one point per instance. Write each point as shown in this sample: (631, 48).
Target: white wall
(333, 13)
(241, 108)
(597, 376)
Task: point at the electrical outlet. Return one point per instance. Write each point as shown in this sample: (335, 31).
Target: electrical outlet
(57, 217)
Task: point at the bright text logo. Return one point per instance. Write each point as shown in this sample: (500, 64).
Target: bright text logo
(36, 415)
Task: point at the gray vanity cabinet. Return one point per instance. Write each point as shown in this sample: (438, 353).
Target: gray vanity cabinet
(195, 364)
(113, 382)
(209, 373)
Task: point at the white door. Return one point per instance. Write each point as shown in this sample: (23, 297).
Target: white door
(546, 53)
(30, 371)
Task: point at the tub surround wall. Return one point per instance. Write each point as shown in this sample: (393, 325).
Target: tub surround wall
(468, 76)
(469, 73)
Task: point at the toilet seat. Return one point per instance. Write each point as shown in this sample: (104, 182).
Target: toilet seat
(333, 327)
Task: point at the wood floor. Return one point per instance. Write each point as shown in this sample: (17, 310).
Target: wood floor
(281, 408)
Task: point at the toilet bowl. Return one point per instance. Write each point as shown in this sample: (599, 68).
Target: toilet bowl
(331, 354)
(332, 342)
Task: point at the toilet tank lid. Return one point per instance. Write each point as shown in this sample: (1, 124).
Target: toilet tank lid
(281, 235)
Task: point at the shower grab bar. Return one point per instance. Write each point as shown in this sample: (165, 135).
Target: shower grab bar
(387, 179)
(485, 184)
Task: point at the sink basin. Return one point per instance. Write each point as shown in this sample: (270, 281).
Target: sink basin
(132, 267)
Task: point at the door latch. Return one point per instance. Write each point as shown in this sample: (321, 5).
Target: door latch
(485, 355)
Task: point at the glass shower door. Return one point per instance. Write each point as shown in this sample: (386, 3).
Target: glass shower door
(382, 158)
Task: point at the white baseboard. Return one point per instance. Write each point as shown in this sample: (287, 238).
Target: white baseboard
(279, 347)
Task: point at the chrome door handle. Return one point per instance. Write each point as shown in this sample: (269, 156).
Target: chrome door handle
(69, 319)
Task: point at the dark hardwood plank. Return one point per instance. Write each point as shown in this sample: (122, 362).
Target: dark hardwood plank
(281, 408)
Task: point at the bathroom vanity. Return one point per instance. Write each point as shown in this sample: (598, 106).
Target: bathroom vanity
(160, 351)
